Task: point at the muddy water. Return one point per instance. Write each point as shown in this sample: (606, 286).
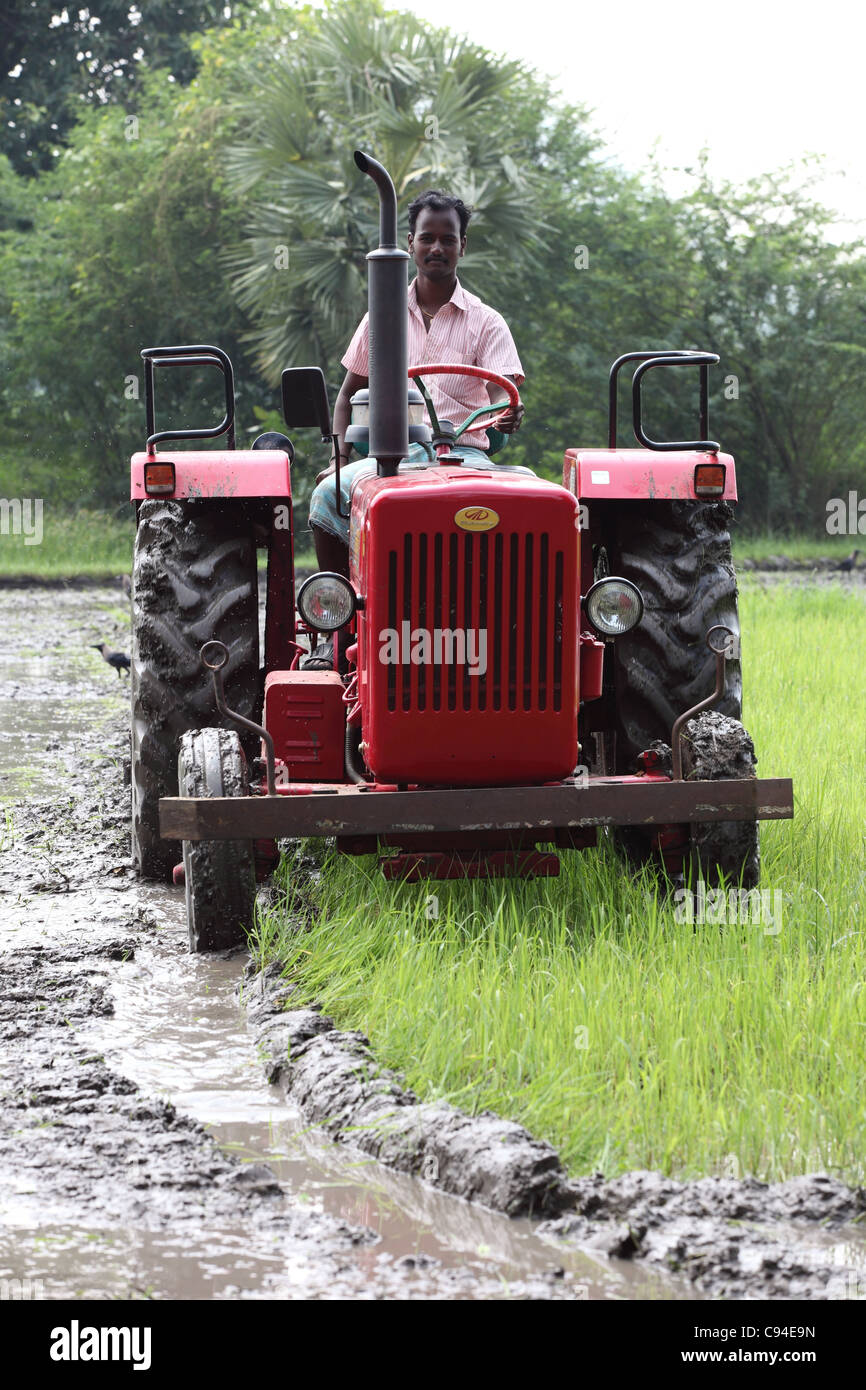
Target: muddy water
(179, 1032)
(141, 1152)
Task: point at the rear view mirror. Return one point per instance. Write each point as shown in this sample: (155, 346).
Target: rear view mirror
(305, 400)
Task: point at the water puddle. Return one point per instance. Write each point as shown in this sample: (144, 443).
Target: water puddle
(56, 694)
(346, 1227)
(178, 1031)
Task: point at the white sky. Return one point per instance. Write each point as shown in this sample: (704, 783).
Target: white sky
(759, 84)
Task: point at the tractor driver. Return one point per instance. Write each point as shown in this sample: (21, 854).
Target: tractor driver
(446, 324)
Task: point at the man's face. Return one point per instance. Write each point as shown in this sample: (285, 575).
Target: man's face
(437, 245)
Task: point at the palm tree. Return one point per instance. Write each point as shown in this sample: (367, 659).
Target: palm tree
(437, 110)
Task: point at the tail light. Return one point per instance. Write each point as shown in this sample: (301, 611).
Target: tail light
(158, 479)
(709, 480)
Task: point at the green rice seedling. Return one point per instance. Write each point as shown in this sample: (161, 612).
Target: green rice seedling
(583, 1006)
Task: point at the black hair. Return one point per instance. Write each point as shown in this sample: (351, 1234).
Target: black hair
(439, 202)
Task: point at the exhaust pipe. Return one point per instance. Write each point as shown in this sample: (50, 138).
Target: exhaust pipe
(388, 302)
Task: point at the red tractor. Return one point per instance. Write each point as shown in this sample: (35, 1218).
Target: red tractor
(519, 663)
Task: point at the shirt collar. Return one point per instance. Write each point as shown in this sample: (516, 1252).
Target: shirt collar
(459, 298)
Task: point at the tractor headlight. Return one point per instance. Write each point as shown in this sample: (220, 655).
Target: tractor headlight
(613, 606)
(326, 602)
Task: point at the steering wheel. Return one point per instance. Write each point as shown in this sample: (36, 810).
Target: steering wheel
(464, 369)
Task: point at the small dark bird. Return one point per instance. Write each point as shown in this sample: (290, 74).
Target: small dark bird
(847, 565)
(126, 585)
(119, 660)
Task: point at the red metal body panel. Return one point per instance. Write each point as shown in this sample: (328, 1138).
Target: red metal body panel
(591, 666)
(208, 473)
(280, 645)
(304, 714)
(635, 473)
(491, 556)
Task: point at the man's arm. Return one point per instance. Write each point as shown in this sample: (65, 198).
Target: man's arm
(497, 351)
(514, 418)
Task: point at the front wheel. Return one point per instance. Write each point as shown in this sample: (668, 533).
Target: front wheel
(219, 874)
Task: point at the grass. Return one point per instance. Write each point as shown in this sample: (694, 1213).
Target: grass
(86, 544)
(583, 1009)
(761, 545)
(93, 545)
(305, 557)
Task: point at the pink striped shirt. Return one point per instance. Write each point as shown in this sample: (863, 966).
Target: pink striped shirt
(463, 330)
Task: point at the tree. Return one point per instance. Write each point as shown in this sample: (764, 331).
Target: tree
(56, 60)
(231, 211)
(123, 253)
(786, 308)
(436, 110)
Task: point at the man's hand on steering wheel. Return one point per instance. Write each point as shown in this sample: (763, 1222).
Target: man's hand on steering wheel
(513, 418)
(510, 419)
(512, 408)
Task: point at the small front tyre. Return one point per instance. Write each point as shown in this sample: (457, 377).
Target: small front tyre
(219, 875)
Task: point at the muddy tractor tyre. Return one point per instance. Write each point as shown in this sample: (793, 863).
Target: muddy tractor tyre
(219, 875)
(679, 556)
(717, 747)
(194, 578)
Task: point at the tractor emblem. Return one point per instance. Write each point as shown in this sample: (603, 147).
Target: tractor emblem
(477, 518)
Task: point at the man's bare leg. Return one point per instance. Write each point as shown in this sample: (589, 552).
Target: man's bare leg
(331, 553)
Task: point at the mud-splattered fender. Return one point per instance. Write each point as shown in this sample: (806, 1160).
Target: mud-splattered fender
(641, 473)
(225, 473)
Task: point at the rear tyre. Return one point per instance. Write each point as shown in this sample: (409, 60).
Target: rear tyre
(220, 876)
(194, 578)
(679, 556)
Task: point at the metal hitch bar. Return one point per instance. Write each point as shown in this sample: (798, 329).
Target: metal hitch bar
(345, 809)
(215, 667)
(677, 730)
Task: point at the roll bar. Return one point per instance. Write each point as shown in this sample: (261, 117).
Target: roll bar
(192, 355)
(668, 357)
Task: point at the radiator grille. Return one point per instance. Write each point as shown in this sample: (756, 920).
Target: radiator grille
(436, 583)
